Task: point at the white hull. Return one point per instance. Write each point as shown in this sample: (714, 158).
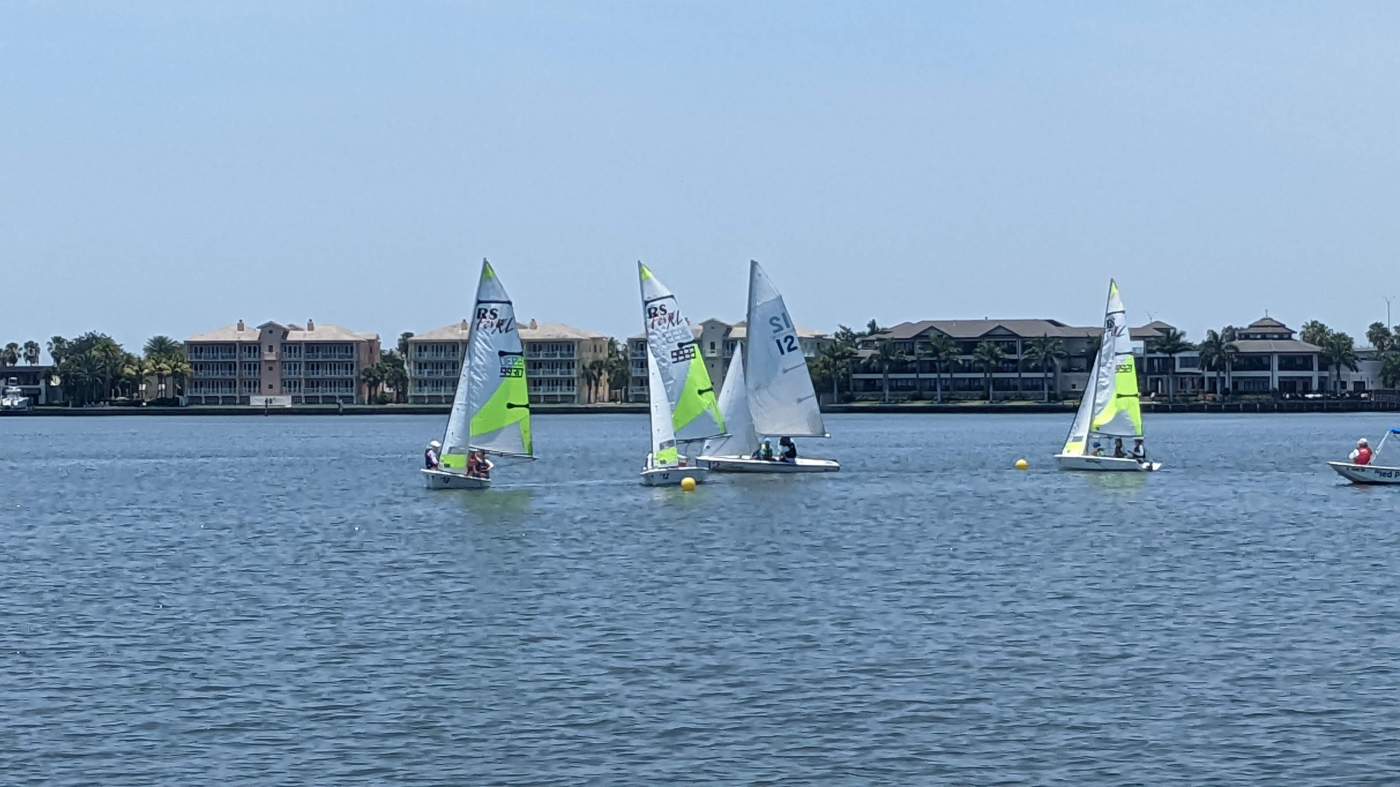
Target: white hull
(744, 464)
(1107, 464)
(672, 476)
(443, 479)
(1366, 474)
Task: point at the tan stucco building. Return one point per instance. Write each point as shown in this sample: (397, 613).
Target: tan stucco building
(557, 358)
(311, 364)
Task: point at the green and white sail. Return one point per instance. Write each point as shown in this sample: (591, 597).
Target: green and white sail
(491, 409)
(1111, 406)
(781, 397)
(676, 356)
(663, 437)
(734, 406)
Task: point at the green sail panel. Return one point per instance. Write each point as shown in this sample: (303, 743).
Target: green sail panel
(491, 409)
(695, 413)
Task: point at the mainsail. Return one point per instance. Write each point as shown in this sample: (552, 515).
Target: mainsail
(734, 406)
(663, 437)
(1111, 406)
(781, 397)
(491, 409)
(676, 357)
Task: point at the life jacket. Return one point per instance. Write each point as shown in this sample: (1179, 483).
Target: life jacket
(430, 460)
(1363, 455)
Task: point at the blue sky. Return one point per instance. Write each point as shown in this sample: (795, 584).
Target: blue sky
(172, 167)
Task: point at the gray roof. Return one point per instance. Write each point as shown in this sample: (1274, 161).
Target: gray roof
(322, 332)
(1023, 328)
(529, 332)
(1275, 346)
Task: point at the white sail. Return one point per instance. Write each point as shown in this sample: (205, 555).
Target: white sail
(734, 405)
(663, 437)
(1078, 440)
(675, 355)
(1114, 407)
(491, 408)
(781, 397)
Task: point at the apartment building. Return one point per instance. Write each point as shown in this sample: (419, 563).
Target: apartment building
(717, 341)
(1269, 359)
(557, 363)
(311, 364)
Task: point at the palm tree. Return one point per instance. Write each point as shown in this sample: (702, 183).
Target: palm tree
(1315, 332)
(9, 356)
(1218, 352)
(887, 355)
(58, 349)
(134, 373)
(990, 356)
(837, 357)
(1380, 337)
(1171, 343)
(1390, 370)
(873, 327)
(941, 349)
(1340, 351)
(31, 352)
(161, 346)
(372, 377)
(403, 343)
(619, 368)
(395, 373)
(919, 355)
(1046, 352)
(178, 369)
(599, 367)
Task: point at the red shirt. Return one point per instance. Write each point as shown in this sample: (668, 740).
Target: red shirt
(1363, 455)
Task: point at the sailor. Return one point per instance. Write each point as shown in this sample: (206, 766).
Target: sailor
(1098, 449)
(765, 451)
(430, 456)
(1118, 452)
(1361, 455)
(789, 453)
(1139, 451)
(483, 465)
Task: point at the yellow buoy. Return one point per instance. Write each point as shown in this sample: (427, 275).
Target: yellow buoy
(688, 484)
(1022, 464)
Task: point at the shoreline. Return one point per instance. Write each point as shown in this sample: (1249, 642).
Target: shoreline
(921, 408)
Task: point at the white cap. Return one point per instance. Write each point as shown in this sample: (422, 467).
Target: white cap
(435, 444)
(1362, 441)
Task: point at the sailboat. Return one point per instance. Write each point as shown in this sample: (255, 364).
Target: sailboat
(771, 395)
(1110, 412)
(683, 407)
(491, 409)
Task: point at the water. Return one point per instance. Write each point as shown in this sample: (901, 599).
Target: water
(276, 600)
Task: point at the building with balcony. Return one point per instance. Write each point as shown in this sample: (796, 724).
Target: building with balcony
(557, 363)
(716, 341)
(38, 383)
(1269, 360)
(314, 364)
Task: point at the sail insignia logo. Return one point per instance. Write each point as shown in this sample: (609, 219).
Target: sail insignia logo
(490, 321)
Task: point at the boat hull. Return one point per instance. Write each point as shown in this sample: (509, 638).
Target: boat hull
(1366, 474)
(672, 476)
(1104, 464)
(443, 479)
(744, 464)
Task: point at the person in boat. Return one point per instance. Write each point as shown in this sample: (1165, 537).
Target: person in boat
(478, 466)
(1098, 449)
(789, 453)
(1361, 455)
(764, 452)
(1118, 452)
(1139, 451)
(430, 456)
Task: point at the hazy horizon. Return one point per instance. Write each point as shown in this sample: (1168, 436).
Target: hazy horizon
(173, 168)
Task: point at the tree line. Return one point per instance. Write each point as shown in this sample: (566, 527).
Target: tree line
(94, 367)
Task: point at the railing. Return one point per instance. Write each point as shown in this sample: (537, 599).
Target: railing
(550, 354)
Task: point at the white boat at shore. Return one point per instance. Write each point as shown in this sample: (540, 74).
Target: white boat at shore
(13, 399)
(1110, 410)
(767, 392)
(682, 400)
(491, 408)
(1369, 473)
